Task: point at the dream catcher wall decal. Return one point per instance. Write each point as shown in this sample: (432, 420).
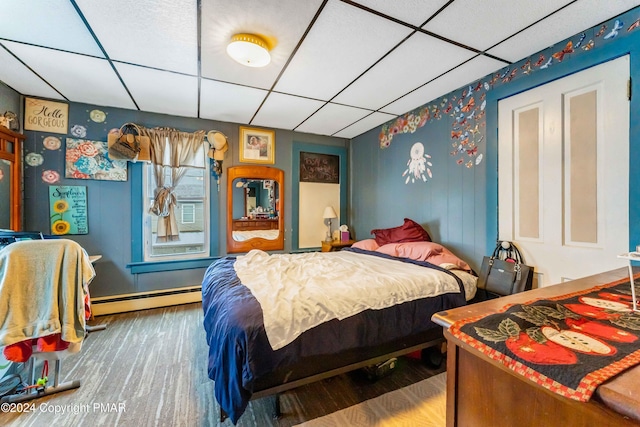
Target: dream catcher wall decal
(418, 165)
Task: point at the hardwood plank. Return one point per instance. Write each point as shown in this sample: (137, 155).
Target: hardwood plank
(155, 363)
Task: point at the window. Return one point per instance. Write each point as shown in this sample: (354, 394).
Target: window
(192, 215)
(188, 213)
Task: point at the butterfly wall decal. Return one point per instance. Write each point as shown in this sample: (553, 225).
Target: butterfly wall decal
(567, 50)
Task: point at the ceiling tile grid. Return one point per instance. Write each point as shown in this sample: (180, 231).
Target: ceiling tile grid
(342, 44)
(365, 124)
(221, 19)
(161, 91)
(19, 77)
(567, 22)
(476, 68)
(483, 23)
(414, 12)
(229, 103)
(79, 78)
(338, 66)
(285, 111)
(332, 118)
(52, 23)
(154, 33)
(416, 61)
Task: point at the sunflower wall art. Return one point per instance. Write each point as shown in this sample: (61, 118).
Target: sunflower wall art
(68, 210)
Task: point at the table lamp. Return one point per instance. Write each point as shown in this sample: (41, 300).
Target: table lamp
(329, 214)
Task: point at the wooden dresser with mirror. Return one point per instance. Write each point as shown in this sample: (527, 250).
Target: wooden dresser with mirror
(255, 208)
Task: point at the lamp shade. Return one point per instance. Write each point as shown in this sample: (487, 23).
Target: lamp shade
(329, 213)
(249, 49)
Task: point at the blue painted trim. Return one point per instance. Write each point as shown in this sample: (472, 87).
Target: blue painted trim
(341, 152)
(214, 216)
(137, 207)
(138, 265)
(153, 267)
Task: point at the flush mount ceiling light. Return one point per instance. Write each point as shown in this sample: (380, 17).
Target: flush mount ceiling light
(249, 49)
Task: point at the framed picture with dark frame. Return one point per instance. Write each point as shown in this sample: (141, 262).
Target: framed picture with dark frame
(257, 145)
(316, 167)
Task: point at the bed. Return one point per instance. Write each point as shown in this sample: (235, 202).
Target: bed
(386, 301)
(244, 235)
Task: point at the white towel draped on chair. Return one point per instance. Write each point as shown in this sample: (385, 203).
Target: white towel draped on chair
(43, 284)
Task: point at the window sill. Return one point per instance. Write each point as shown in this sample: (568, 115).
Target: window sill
(156, 266)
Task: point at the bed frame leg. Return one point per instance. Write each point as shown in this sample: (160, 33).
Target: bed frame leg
(433, 356)
(277, 413)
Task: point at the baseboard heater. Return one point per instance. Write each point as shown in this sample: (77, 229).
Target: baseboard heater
(145, 300)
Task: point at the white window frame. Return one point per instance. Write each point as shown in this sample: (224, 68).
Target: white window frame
(147, 234)
(191, 211)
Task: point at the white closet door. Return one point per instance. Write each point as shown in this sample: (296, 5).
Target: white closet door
(563, 180)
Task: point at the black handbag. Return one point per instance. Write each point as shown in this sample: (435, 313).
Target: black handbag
(504, 272)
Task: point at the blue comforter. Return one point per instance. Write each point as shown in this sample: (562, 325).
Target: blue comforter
(240, 353)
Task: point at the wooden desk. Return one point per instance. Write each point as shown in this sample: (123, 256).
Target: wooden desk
(482, 392)
(336, 245)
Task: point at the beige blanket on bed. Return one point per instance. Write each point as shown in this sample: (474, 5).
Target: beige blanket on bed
(42, 288)
(300, 291)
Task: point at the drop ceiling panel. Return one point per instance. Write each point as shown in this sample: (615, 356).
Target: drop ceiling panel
(371, 121)
(20, 78)
(80, 78)
(343, 43)
(229, 103)
(414, 12)
(155, 33)
(222, 19)
(357, 54)
(179, 94)
(465, 74)
(416, 61)
(52, 23)
(332, 118)
(285, 111)
(569, 21)
(481, 24)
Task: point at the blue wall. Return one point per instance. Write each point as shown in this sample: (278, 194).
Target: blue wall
(112, 227)
(458, 206)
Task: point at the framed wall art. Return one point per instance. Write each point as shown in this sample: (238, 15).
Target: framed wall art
(46, 116)
(257, 145)
(90, 160)
(68, 209)
(316, 167)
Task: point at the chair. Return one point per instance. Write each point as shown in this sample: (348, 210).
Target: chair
(36, 276)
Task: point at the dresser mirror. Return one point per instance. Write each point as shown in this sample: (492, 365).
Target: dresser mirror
(254, 208)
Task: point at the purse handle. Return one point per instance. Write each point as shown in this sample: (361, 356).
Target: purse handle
(131, 130)
(511, 252)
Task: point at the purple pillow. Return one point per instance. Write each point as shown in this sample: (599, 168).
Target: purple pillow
(410, 231)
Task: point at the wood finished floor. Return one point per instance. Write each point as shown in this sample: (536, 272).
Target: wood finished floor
(154, 363)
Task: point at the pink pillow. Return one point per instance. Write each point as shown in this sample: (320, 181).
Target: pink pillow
(410, 231)
(367, 245)
(389, 249)
(424, 251)
(419, 251)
